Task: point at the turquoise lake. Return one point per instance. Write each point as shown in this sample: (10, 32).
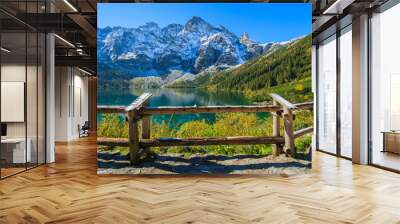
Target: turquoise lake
(175, 97)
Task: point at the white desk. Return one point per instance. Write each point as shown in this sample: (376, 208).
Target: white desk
(18, 151)
(391, 141)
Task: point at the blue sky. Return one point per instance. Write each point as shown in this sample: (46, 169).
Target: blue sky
(264, 22)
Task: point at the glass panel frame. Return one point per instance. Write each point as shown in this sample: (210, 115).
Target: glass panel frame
(326, 94)
(345, 97)
(338, 58)
(24, 60)
(13, 74)
(384, 127)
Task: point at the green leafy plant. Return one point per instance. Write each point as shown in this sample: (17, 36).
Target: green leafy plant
(226, 124)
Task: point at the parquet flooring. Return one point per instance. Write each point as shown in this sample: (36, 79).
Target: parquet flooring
(70, 191)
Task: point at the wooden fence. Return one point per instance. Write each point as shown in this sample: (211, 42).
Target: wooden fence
(140, 111)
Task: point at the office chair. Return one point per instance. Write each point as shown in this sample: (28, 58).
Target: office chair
(84, 130)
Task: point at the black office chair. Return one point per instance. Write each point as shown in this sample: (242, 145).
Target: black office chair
(84, 130)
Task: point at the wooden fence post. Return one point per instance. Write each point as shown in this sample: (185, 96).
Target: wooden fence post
(289, 132)
(276, 149)
(288, 123)
(146, 126)
(133, 136)
(134, 116)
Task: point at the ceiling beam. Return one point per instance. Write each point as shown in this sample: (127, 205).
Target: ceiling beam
(78, 61)
(49, 22)
(89, 30)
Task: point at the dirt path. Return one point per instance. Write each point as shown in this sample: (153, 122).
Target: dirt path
(210, 164)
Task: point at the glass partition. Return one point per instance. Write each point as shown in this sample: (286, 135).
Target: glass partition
(327, 95)
(346, 92)
(14, 151)
(22, 77)
(385, 89)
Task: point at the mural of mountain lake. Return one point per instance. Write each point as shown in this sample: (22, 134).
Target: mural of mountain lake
(176, 97)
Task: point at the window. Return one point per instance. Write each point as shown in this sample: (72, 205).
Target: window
(327, 95)
(346, 92)
(385, 88)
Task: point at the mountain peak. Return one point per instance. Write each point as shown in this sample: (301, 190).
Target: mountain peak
(196, 19)
(197, 23)
(245, 38)
(150, 26)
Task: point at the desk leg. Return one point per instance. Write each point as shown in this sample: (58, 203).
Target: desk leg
(384, 142)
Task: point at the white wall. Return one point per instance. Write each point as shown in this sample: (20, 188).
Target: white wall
(80, 111)
(33, 126)
(12, 73)
(61, 103)
(71, 102)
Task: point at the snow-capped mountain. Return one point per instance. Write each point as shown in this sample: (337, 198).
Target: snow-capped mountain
(150, 50)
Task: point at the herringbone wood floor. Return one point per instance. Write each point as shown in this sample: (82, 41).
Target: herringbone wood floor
(69, 191)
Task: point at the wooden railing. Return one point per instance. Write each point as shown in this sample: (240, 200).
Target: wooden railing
(140, 111)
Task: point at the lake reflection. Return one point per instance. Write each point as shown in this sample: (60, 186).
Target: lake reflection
(176, 97)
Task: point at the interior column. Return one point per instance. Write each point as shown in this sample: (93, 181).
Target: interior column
(360, 90)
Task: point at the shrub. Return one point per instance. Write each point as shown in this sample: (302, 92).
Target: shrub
(226, 124)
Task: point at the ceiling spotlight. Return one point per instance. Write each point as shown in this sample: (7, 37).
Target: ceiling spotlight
(5, 50)
(80, 51)
(70, 5)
